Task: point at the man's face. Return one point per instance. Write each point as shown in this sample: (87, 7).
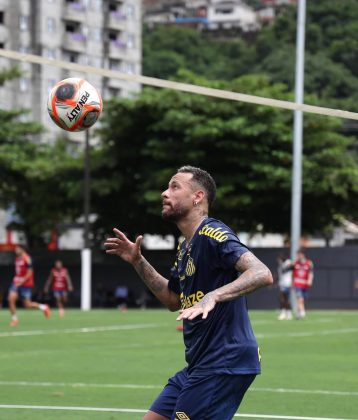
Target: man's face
(300, 256)
(178, 197)
(58, 264)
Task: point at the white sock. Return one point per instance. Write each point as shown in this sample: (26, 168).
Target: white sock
(14, 317)
(42, 307)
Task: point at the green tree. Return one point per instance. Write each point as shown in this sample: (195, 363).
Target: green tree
(167, 49)
(41, 182)
(248, 148)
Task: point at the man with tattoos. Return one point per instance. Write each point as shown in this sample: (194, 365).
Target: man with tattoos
(212, 274)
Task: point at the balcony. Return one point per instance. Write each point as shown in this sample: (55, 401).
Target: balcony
(75, 11)
(117, 20)
(117, 48)
(75, 41)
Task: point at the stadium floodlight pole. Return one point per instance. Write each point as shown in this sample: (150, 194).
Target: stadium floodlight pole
(296, 195)
(86, 251)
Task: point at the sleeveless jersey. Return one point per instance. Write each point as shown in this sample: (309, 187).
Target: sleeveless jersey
(223, 343)
(59, 279)
(301, 272)
(23, 264)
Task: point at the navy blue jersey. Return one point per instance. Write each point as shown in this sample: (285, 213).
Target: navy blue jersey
(223, 343)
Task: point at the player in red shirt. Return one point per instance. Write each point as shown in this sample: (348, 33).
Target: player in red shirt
(60, 282)
(302, 275)
(22, 286)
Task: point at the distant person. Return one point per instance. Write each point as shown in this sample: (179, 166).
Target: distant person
(284, 271)
(121, 295)
(22, 286)
(302, 281)
(60, 283)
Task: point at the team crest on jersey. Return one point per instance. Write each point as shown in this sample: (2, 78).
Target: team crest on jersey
(218, 234)
(180, 415)
(190, 267)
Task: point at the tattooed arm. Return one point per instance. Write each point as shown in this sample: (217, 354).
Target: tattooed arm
(254, 275)
(131, 253)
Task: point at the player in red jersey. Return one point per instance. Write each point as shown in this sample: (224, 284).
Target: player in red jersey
(22, 286)
(60, 282)
(302, 280)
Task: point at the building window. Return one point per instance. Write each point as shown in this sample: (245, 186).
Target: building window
(112, 35)
(71, 56)
(114, 64)
(113, 92)
(50, 25)
(224, 11)
(24, 84)
(2, 18)
(24, 50)
(23, 23)
(128, 67)
(130, 41)
(112, 7)
(98, 5)
(97, 34)
(50, 84)
(130, 11)
(50, 53)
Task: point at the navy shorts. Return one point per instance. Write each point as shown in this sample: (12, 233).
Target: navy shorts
(210, 397)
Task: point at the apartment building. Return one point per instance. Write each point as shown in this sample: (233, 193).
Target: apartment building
(100, 33)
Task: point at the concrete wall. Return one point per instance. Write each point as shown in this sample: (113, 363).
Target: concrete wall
(335, 285)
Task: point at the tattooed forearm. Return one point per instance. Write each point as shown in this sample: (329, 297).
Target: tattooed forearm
(254, 275)
(157, 284)
(150, 276)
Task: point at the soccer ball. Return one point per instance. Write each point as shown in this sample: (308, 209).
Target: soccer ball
(74, 104)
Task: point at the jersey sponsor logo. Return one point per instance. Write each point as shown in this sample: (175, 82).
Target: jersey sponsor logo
(190, 267)
(180, 415)
(218, 234)
(191, 300)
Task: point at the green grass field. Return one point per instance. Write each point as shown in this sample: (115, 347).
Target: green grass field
(106, 359)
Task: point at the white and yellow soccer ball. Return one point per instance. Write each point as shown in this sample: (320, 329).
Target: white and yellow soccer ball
(74, 104)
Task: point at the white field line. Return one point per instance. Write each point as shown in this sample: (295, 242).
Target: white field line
(139, 386)
(133, 410)
(145, 326)
(309, 333)
(80, 330)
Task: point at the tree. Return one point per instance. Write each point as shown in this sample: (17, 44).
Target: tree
(41, 182)
(248, 148)
(167, 49)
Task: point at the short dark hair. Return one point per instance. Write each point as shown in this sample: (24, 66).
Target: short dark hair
(204, 179)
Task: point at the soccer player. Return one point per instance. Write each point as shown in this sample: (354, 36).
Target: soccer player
(212, 273)
(60, 282)
(22, 286)
(302, 281)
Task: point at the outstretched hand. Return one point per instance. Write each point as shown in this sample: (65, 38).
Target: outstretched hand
(123, 247)
(203, 307)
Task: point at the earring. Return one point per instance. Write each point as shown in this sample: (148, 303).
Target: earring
(195, 203)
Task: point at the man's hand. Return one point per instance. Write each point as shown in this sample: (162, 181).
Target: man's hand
(203, 307)
(123, 247)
